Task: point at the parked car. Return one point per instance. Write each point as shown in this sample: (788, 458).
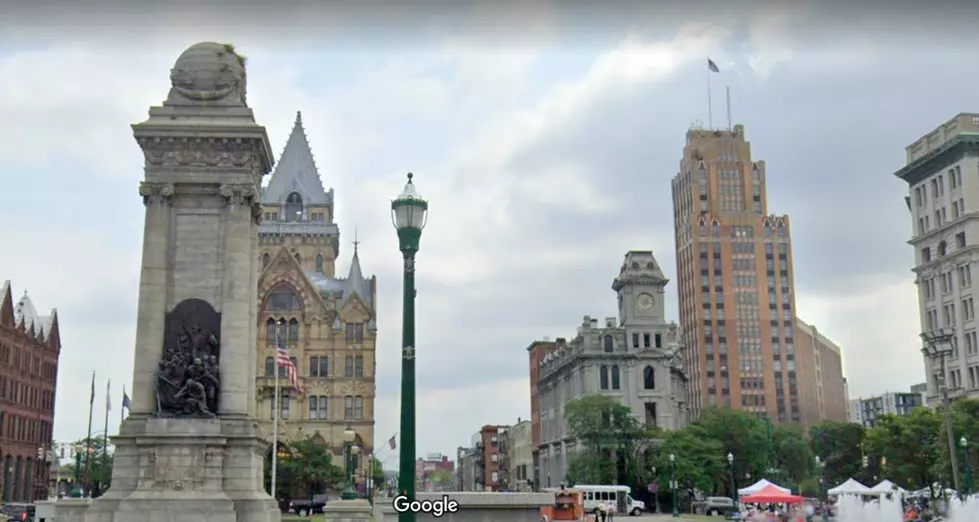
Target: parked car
(18, 512)
(306, 507)
(715, 506)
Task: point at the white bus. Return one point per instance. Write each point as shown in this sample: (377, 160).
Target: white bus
(617, 495)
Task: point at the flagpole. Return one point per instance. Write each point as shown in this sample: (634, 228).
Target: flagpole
(88, 442)
(105, 440)
(275, 419)
(728, 87)
(710, 103)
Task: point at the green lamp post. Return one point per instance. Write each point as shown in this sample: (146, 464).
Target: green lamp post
(730, 469)
(409, 212)
(676, 508)
(348, 492)
(76, 490)
(965, 463)
(820, 465)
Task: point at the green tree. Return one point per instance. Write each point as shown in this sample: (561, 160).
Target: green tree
(905, 449)
(743, 435)
(699, 459)
(99, 466)
(838, 446)
(793, 456)
(441, 479)
(377, 472)
(607, 434)
(310, 466)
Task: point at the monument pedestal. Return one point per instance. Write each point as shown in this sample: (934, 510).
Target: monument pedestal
(358, 510)
(186, 469)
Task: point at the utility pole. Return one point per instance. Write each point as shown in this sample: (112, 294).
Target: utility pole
(939, 345)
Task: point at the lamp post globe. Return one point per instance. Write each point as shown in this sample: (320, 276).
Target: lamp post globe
(673, 485)
(409, 214)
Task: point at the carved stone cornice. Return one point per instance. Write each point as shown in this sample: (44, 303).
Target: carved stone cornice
(200, 152)
(155, 193)
(243, 194)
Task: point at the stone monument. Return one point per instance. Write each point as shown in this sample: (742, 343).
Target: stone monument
(190, 448)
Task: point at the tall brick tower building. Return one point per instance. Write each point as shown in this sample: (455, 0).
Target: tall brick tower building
(735, 281)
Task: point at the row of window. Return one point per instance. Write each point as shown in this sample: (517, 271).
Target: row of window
(942, 249)
(609, 375)
(276, 329)
(938, 186)
(946, 280)
(353, 407)
(19, 429)
(648, 341)
(25, 395)
(27, 363)
(319, 366)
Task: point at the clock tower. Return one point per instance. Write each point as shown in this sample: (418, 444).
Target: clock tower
(641, 288)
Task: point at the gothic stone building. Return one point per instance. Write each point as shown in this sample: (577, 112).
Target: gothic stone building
(29, 348)
(327, 322)
(633, 359)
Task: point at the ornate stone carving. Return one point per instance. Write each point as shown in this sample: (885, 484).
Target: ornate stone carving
(208, 72)
(244, 195)
(199, 152)
(188, 383)
(155, 193)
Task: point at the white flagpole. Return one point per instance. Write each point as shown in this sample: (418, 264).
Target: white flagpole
(728, 107)
(275, 419)
(710, 103)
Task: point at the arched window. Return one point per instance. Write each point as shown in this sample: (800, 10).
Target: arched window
(270, 367)
(609, 346)
(294, 207)
(266, 259)
(703, 229)
(603, 377)
(348, 407)
(270, 328)
(293, 330)
(649, 378)
(615, 377)
(715, 230)
(322, 410)
(319, 263)
(358, 407)
(283, 298)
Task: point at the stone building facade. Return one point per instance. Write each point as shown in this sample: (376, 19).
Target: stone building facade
(30, 345)
(633, 358)
(517, 465)
(327, 322)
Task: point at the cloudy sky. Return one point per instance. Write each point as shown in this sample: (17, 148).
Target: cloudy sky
(545, 139)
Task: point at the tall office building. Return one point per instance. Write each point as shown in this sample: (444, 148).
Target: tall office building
(822, 387)
(734, 266)
(943, 184)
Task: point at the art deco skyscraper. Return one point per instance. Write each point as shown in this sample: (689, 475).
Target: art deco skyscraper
(735, 282)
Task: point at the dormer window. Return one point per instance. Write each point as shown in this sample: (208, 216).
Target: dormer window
(294, 207)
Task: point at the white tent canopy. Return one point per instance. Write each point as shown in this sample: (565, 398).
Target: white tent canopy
(850, 487)
(887, 487)
(758, 486)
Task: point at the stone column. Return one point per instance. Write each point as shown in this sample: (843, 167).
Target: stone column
(153, 295)
(238, 297)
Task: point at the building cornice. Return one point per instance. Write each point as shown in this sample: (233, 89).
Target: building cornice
(939, 159)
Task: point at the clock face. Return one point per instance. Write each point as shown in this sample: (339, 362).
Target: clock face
(645, 302)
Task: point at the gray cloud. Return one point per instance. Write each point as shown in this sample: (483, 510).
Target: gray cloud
(544, 164)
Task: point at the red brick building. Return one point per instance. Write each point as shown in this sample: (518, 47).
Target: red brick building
(425, 468)
(536, 352)
(29, 350)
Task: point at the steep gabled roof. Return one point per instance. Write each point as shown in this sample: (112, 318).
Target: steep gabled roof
(296, 172)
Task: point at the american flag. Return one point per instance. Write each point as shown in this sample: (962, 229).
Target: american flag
(286, 362)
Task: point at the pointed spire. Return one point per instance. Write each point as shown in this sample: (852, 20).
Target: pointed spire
(356, 278)
(296, 171)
